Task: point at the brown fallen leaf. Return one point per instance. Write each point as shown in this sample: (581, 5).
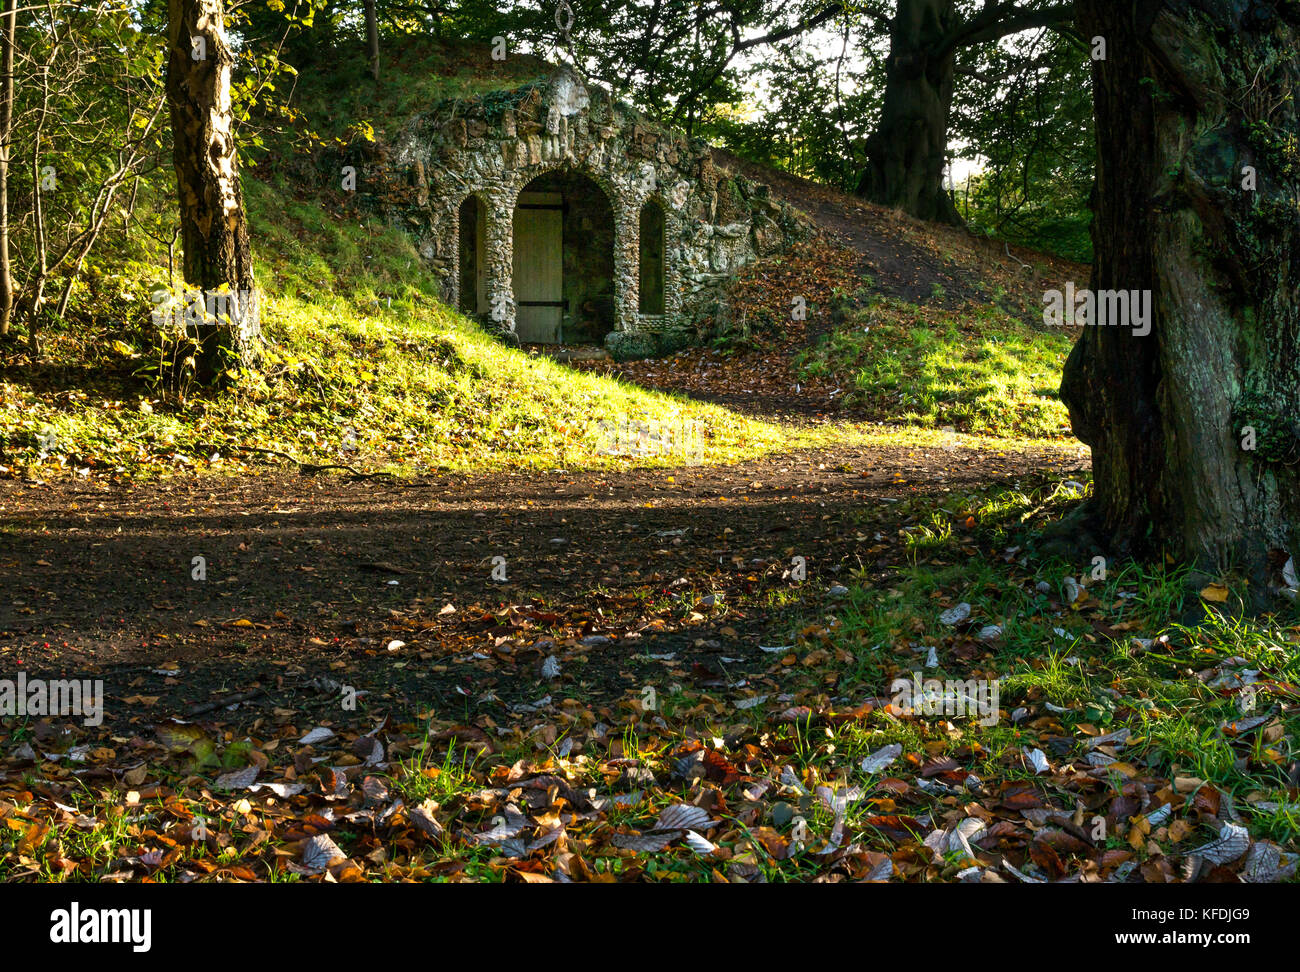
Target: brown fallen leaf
(1216, 592)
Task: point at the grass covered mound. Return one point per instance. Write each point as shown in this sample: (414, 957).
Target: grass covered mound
(979, 369)
(338, 97)
(364, 366)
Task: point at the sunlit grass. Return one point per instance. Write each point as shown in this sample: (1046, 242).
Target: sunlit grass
(363, 366)
(977, 370)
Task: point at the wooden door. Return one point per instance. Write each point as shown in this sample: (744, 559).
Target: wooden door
(539, 267)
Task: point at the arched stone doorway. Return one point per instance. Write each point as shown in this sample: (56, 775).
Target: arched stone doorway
(563, 266)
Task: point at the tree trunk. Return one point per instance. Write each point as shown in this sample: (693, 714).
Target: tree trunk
(8, 32)
(907, 152)
(372, 38)
(39, 275)
(217, 255)
(1191, 93)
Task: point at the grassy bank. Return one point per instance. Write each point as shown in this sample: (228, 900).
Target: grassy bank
(364, 366)
(979, 370)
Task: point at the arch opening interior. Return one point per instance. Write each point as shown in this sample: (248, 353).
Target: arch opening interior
(563, 260)
(473, 276)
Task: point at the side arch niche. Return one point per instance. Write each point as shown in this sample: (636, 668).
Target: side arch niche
(651, 270)
(471, 280)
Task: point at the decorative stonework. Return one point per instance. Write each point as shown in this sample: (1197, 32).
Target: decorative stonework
(494, 146)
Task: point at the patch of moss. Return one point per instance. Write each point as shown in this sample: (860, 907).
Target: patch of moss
(1275, 437)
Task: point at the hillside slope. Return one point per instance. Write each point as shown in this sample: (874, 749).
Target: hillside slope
(906, 258)
(906, 323)
(367, 369)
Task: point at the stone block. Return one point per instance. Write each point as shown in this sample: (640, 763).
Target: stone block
(631, 345)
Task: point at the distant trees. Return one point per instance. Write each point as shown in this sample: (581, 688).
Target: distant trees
(677, 58)
(1024, 107)
(907, 153)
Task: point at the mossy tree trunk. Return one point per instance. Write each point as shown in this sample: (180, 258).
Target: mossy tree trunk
(214, 230)
(1195, 105)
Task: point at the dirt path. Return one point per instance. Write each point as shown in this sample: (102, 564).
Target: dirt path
(306, 575)
(912, 261)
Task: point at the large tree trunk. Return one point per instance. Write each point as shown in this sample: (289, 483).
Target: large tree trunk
(1192, 92)
(214, 230)
(8, 36)
(907, 152)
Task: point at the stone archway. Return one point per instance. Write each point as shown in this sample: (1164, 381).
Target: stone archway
(563, 269)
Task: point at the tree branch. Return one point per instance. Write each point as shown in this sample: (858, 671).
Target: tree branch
(1002, 20)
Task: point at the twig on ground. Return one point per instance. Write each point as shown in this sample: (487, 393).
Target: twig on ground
(222, 703)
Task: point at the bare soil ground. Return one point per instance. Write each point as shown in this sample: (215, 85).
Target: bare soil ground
(307, 574)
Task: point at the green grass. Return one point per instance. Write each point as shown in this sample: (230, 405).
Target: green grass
(424, 777)
(978, 370)
(1053, 654)
(364, 364)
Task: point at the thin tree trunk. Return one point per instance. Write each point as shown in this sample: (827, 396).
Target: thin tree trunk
(907, 151)
(1191, 94)
(101, 209)
(8, 35)
(36, 285)
(372, 38)
(217, 254)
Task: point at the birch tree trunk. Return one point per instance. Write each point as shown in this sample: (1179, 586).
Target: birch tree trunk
(8, 32)
(214, 230)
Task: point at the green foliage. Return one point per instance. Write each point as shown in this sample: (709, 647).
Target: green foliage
(1027, 112)
(677, 59)
(87, 126)
(817, 106)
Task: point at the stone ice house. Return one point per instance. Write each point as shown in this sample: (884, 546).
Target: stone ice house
(559, 215)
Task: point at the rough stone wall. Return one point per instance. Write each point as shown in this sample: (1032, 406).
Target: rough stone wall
(494, 145)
